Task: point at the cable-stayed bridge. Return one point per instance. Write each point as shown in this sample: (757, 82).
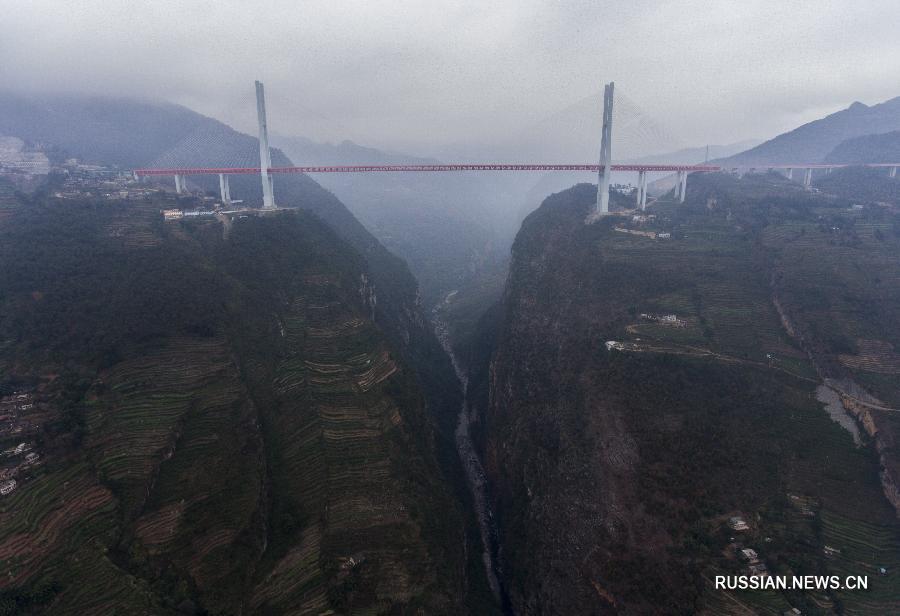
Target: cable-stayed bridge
(635, 124)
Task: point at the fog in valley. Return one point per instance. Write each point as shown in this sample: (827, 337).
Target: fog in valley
(511, 308)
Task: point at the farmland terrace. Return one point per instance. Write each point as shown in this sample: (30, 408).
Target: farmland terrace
(225, 427)
(631, 463)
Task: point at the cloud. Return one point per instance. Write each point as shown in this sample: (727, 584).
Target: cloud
(427, 76)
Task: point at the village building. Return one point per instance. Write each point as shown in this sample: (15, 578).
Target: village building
(737, 523)
(650, 234)
(749, 555)
(18, 449)
(7, 487)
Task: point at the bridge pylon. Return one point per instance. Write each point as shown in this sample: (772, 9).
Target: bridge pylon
(265, 157)
(605, 171)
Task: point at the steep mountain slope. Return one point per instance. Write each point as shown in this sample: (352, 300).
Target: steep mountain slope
(396, 305)
(135, 134)
(812, 142)
(615, 472)
(399, 307)
(115, 131)
(473, 210)
(862, 184)
(879, 148)
(221, 424)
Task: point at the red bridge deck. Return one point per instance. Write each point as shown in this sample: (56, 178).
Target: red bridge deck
(396, 168)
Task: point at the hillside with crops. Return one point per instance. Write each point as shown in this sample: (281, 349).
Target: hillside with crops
(213, 420)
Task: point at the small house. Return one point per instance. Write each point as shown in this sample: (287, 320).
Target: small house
(749, 555)
(737, 523)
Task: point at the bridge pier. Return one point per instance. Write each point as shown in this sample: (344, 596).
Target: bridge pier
(681, 186)
(603, 176)
(644, 193)
(641, 196)
(790, 173)
(180, 185)
(893, 172)
(807, 177)
(224, 189)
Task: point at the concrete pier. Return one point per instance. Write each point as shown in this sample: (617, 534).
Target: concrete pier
(680, 186)
(641, 197)
(224, 189)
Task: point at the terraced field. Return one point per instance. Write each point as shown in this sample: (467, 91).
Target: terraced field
(863, 549)
(708, 276)
(58, 525)
(841, 284)
(8, 202)
(339, 442)
(229, 433)
(684, 427)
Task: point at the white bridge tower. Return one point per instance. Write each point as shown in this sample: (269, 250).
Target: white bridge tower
(265, 158)
(603, 176)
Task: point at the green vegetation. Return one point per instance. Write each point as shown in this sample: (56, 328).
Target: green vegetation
(862, 184)
(226, 425)
(616, 472)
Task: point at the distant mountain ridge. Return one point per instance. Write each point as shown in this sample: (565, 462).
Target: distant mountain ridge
(814, 141)
(878, 148)
(696, 155)
(99, 129)
(308, 152)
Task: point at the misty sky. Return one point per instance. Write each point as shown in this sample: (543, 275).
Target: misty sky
(425, 77)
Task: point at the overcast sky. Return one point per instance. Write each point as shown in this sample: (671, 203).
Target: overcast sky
(422, 76)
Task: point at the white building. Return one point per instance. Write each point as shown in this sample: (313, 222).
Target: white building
(7, 486)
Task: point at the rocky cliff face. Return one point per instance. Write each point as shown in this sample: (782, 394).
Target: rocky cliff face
(222, 425)
(615, 472)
